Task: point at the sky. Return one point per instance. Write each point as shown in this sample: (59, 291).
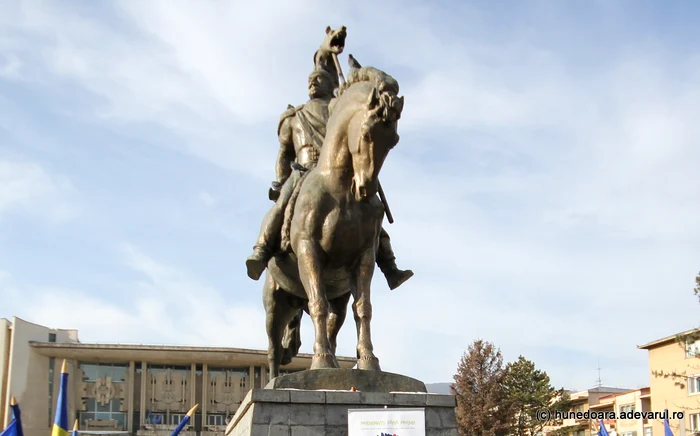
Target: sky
(544, 188)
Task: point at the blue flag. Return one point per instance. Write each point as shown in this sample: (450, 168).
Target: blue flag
(17, 416)
(667, 427)
(11, 429)
(184, 421)
(602, 431)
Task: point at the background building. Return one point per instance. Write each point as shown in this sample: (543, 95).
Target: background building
(143, 390)
(583, 401)
(638, 400)
(675, 381)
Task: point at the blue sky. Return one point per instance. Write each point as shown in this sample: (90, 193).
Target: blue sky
(545, 187)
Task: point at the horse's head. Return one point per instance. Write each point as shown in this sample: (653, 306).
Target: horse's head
(372, 129)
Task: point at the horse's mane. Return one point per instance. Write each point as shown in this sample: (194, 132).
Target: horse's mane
(381, 80)
(387, 89)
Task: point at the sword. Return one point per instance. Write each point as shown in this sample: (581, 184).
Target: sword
(379, 184)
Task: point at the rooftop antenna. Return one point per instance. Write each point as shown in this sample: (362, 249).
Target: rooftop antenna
(599, 382)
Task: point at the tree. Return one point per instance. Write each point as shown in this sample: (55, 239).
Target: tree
(528, 390)
(481, 409)
(696, 290)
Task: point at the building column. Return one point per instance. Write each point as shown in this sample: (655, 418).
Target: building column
(193, 388)
(144, 377)
(130, 399)
(251, 377)
(205, 394)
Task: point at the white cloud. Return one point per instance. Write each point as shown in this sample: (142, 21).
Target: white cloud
(163, 306)
(27, 187)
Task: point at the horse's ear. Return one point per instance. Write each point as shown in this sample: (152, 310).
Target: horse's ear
(373, 99)
(399, 105)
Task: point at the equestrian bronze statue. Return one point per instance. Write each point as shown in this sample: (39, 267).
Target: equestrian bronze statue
(321, 240)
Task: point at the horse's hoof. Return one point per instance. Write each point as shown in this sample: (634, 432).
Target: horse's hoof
(324, 361)
(369, 363)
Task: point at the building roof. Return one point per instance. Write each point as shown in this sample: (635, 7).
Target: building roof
(169, 354)
(667, 339)
(583, 395)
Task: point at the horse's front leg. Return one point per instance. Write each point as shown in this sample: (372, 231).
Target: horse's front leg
(362, 309)
(311, 273)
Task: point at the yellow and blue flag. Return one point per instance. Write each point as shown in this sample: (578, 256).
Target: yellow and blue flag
(60, 422)
(184, 421)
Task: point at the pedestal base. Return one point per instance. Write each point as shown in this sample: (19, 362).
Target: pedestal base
(291, 412)
(345, 379)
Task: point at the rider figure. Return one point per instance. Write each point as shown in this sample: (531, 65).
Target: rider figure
(301, 132)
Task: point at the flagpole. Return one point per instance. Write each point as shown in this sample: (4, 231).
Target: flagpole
(185, 420)
(60, 422)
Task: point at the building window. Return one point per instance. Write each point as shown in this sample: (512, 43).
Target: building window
(629, 433)
(52, 337)
(626, 409)
(216, 420)
(692, 349)
(175, 418)
(694, 422)
(648, 431)
(103, 412)
(694, 384)
(94, 371)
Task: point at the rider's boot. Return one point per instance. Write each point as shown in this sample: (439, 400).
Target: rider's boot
(395, 277)
(387, 262)
(257, 262)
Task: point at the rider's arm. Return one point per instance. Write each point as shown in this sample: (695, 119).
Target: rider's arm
(287, 154)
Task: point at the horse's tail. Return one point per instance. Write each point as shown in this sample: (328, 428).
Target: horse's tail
(291, 341)
(289, 213)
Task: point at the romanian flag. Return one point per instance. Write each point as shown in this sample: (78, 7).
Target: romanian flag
(184, 421)
(60, 422)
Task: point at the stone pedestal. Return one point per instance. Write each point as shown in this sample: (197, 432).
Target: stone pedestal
(291, 412)
(343, 379)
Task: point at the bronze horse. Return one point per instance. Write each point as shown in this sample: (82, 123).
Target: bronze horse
(333, 226)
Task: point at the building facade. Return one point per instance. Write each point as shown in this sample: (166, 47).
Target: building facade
(142, 390)
(674, 368)
(638, 400)
(583, 401)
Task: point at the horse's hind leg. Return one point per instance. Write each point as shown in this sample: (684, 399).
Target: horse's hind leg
(279, 312)
(338, 308)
